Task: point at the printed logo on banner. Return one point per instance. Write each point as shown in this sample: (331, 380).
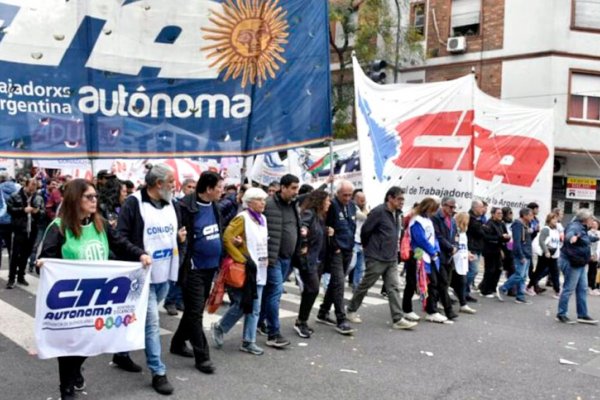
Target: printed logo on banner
(249, 37)
(450, 141)
(93, 302)
(154, 78)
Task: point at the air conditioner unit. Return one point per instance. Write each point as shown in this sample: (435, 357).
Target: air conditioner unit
(560, 166)
(457, 45)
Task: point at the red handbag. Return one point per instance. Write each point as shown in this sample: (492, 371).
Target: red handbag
(234, 273)
(216, 295)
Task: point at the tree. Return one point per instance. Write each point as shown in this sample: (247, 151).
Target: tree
(366, 27)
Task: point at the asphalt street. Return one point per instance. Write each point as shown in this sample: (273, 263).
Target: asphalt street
(505, 351)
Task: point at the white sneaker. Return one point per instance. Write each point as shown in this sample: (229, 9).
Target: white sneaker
(412, 316)
(595, 292)
(437, 317)
(467, 310)
(530, 292)
(403, 323)
(353, 317)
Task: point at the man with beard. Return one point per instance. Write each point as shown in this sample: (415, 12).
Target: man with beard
(149, 220)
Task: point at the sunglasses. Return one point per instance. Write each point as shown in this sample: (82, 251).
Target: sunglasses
(90, 197)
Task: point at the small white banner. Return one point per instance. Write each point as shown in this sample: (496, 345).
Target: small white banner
(86, 308)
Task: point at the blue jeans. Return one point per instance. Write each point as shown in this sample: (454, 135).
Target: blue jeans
(175, 295)
(158, 291)
(269, 309)
(357, 264)
(575, 281)
(518, 278)
(472, 272)
(235, 312)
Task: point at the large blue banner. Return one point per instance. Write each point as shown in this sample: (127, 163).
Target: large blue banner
(158, 78)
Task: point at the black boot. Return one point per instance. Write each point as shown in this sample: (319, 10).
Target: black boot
(67, 393)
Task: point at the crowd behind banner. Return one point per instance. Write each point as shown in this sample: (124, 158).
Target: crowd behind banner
(212, 239)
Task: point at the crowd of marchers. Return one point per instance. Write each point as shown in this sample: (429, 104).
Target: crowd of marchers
(320, 237)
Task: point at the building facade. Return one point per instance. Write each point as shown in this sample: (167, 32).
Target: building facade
(539, 53)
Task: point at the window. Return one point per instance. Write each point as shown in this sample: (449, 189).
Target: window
(585, 14)
(465, 17)
(584, 99)
(568, 207)
(418, 17)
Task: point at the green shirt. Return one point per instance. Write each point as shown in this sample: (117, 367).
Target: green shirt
(91, 245)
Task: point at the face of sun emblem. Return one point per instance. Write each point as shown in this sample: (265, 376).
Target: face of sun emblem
(248, 37)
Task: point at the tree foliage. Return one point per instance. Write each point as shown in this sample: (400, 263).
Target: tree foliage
(368, 27)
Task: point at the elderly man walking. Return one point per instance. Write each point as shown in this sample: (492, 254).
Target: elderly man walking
(574, 257)
(342, 218)
(149, 220)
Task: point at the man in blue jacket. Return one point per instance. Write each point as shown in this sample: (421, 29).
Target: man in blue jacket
(574, 257)
(521, 252)
(342, 218)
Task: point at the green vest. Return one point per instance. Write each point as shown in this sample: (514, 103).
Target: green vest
(90, 246)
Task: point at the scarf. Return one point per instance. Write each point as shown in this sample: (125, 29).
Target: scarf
(257, 216)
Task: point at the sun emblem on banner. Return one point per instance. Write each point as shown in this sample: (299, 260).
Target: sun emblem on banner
(248, 36)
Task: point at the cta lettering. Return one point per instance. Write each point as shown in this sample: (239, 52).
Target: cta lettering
(69, 293)
(450, 141)
(162, 254)
(43, 30)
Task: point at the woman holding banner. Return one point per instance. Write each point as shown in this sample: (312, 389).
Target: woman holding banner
(80, 233)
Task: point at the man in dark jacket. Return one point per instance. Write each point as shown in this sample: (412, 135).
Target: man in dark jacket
(231, 205)
(521, 257)
(342, 218)
(25, 208)
(445, 232)
(283, 223)
(149, 220)
(202, 257)
(475, 237)
(379, 237)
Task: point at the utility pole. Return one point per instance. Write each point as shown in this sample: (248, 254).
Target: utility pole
(397, 61)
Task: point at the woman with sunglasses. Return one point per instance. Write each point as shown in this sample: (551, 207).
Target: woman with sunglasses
(80, 233)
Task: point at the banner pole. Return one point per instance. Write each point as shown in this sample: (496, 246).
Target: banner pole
(243, 170)
(331, 165)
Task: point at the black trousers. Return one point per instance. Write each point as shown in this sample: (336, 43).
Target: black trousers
(459, 284)
(491, 273)
(69, 369)
(544, 267)
(438, 289)
(338, 267)
(592, 272)
(6, 238)
(196, 290)
(410, 288)
(311, 278)
(22, 247)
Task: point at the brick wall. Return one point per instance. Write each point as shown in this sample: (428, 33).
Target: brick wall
(489, 75)
(491, 31)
